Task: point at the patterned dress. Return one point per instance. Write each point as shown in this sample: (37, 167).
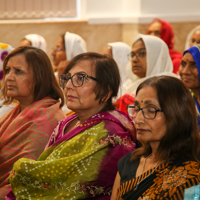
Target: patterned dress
(81, 164)
(166, 182)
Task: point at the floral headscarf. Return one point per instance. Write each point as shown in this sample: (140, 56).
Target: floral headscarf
(5, 49)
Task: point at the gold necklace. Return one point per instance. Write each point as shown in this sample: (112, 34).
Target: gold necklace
(139, 180)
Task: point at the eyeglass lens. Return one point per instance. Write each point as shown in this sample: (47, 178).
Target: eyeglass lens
(148, 112)
(77, 80)
(139, 54)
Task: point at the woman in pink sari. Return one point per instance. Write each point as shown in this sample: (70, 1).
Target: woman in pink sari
(25, 130)
(80, 161)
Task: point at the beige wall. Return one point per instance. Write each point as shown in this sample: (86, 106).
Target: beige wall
(96, 36)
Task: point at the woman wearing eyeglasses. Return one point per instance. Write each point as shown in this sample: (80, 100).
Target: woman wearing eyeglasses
(149, 57)
(80, 160)
(68, 45)
(166, 125)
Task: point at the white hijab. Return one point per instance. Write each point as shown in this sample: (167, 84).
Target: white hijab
(74, 45)
(187, 44)
(120, 53)
(158, 62)
(37, 41)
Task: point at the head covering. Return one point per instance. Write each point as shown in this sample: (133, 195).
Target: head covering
(158, 62)
(187, 44)
(195, 52)
(74, 45)
(37, 41)
(167, 33)
(120, 53)
(5, 49)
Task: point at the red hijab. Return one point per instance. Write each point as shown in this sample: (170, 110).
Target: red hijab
(167, 35)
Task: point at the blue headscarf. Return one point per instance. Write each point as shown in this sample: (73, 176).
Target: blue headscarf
(195, 52)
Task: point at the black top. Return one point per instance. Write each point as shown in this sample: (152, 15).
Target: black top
(127, 169)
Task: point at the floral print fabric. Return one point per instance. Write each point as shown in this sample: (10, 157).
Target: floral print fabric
(82, 165)
(167, 182)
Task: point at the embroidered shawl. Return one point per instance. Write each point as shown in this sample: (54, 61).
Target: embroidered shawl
(81, 164)
(25, 134)
(168, 181)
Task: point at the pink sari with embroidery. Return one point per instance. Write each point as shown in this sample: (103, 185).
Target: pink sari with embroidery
(81, 164)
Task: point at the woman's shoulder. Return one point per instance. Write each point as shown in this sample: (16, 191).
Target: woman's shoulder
(189, 168)
(127, 167)
(125, 159)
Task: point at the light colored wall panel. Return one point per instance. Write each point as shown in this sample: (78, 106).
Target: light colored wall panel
(96, 36)
(23, 9)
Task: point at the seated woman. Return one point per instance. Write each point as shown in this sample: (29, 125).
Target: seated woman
(26, 129)
(34, 40)
(190, 75)
(68, 45)
(81, 159)
(163, 30)
(193, 37)
(149, 57)
(166, 125)
(5, 49)
(119, 51)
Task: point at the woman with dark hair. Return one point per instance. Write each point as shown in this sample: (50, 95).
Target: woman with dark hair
(80, 161)
(163, 30)
(190, 74)
(166, 125)
(26, 129)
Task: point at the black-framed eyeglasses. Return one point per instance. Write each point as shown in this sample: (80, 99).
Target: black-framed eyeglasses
(77, 79)
(139, 54)
(148, 112)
